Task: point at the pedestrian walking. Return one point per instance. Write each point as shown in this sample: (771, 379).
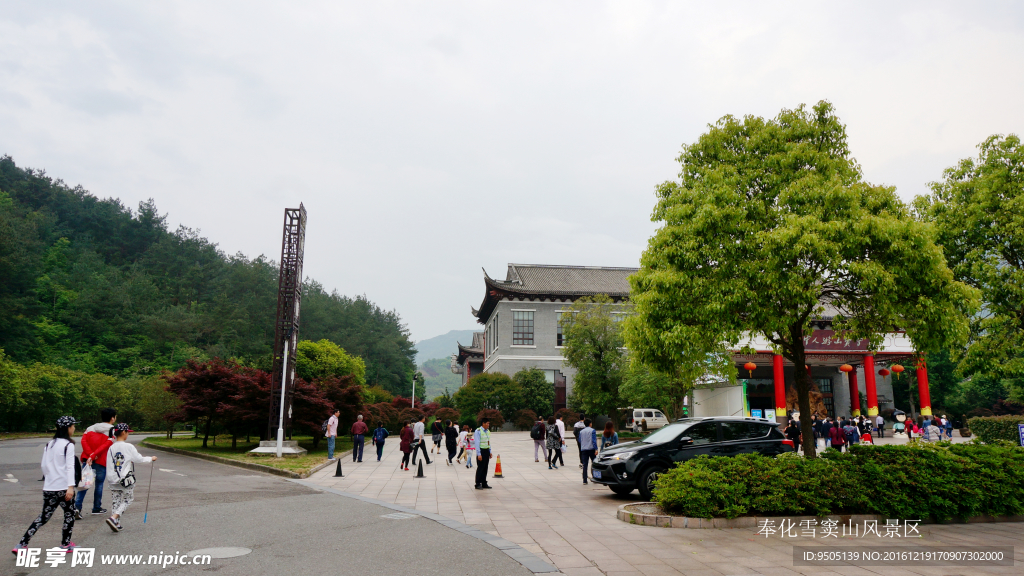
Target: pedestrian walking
(95, 443)
(451, 440)
(418, 441)
(576, 429)
(437, 435)
(793, 434)
(359, 430)
(462, 443)
(405, 444)
(948, 425)
(880, 426)
(380, 433)
(852, 433)
(332, 433)
(815, 428)
(121, 459)
(588, 446)
(609, 437)
(837, 437)
(560, 426)
(61, 473)
(470, 448)
(482, 441)
(538, 433)
(553, 443)
(826, 427)
(933, 432)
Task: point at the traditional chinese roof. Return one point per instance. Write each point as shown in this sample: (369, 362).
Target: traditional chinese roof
(541, 281)
(474, 352)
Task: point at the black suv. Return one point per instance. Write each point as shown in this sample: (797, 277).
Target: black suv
(637, 464)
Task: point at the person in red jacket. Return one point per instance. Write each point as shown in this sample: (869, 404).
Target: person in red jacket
(95, 443)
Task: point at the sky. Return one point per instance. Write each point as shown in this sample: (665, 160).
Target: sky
(428, 140)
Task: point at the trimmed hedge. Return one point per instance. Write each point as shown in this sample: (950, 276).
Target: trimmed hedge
(992, 428)
(917, 481)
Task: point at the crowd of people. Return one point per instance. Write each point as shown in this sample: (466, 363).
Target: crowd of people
(845, 431)
(107, 461)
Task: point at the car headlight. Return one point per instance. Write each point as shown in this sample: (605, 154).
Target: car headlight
(623, 455)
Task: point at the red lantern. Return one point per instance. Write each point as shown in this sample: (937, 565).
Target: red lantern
(898, 369)
(750, 367)
(883, 372)
(846, 368)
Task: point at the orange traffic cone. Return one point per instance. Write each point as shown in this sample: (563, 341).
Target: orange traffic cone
(497, 469)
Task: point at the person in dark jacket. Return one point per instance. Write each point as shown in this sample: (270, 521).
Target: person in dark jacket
(405, 444)
(793, 433)
(451, 440)
(826, 427)
(838, 438)
(380, 433)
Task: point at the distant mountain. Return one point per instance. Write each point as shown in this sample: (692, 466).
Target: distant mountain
(442, 346)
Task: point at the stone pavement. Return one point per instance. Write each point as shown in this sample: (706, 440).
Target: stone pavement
(552, 514)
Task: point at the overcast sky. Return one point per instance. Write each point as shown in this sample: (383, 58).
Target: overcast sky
(430, 139)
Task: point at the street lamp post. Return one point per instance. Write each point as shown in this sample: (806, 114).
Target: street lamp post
(415, 377)
(284, 379)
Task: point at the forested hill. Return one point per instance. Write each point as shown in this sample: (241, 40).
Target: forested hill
(91, 285)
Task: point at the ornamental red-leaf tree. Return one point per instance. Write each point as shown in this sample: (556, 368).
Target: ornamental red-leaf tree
(769, 223)
(202, 388)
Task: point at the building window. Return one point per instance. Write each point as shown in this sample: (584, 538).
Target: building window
(522, 328)
(564, 318)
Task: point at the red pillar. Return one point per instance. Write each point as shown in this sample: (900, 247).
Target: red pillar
(869, 383)
(780, 388)
(854, 394)
(922, 388)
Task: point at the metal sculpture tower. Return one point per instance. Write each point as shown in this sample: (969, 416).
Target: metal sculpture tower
(286, 327)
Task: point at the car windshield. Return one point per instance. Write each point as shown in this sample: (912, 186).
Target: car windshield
(666, 434)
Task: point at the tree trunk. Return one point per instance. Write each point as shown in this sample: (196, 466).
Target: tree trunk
(234, 441)
(209, 423)
(803, 391)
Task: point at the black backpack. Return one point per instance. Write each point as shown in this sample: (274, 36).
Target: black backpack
(536, 432)
(323, 427)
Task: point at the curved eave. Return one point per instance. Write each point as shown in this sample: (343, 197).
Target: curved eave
(497, 290)
(467, 353)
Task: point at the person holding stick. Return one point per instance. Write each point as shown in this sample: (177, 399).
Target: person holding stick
(121, 458)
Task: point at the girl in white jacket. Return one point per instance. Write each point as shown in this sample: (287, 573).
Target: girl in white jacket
(58, 484)
(121, 457)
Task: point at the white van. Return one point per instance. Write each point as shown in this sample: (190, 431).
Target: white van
(651, 418)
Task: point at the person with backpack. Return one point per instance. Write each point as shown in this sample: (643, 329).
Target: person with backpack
(121, 459)
(851, 432)
(560, 437)
(462, 443)
(359, 430)
(379, 434)
(437, 435)
(451, 440)
(538, 433)
(330, 428)
(61, 473)
(95, 443)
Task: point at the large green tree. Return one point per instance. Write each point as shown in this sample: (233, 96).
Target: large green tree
(978, 210)
(538, 393)
(594, 346)
(769, 223)
(325, 359)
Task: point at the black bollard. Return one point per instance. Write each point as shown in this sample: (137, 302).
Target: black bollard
(419, 472)
(337, 473)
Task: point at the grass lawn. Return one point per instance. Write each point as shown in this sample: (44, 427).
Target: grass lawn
(224, 450)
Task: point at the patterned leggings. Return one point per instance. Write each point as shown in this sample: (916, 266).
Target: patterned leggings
(120, 499)
(52, 501)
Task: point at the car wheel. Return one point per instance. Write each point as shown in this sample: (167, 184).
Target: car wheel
(646, 484)
(622, 490)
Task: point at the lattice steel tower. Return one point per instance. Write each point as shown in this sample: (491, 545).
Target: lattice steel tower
(286, 327)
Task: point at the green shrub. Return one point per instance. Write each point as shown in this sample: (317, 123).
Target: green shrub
(938, 481)
(992, 428)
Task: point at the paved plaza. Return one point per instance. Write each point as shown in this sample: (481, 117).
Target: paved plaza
(574, 527)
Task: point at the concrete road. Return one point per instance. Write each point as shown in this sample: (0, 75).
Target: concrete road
(292, 529)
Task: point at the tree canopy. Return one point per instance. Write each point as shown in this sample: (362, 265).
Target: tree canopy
(594, 346)
(325, 359)
(771, 224)
(978, 211)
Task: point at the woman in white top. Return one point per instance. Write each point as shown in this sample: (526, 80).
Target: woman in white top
(121, 457)
(59, 465)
